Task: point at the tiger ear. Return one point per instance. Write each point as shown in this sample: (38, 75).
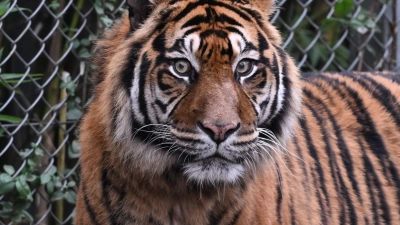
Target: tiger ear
(139, 11)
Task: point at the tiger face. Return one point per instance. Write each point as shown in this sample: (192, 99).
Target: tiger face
(209, 91)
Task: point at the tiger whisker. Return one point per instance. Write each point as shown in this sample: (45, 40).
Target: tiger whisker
(272, 138)
(276, 170)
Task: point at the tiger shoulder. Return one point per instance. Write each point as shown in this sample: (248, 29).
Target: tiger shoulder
(200, 117)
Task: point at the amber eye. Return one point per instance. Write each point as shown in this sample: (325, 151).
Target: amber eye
(182, 67)
(244, 67)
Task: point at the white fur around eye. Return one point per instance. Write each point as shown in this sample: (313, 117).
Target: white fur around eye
(188, 52)
(192, 42)
(239, 48)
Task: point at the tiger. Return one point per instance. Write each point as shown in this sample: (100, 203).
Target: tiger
(200, 117)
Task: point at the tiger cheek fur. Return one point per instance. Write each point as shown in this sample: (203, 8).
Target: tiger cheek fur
(199, 117)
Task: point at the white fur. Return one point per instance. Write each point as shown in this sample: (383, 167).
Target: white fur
(214, 171)
(135, 95)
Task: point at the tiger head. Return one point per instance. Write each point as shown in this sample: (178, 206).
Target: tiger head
(198, 86)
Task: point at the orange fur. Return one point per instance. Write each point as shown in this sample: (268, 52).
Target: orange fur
(333, 171)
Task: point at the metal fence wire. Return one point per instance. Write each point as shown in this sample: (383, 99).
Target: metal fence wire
(44, 83)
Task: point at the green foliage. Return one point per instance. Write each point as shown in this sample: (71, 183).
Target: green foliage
(18, 188)
(5, 6)
(100, 6)
(103, 9)
(9, 119)
(54, 5)
(6, 81)
(362, 23)
(322, 38)
(73, 103)
(84, 46)
(21, 182)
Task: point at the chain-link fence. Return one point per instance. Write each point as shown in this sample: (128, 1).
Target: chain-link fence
(44, 84)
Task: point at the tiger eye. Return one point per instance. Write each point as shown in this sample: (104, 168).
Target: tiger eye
(244, 67)
(182, 67)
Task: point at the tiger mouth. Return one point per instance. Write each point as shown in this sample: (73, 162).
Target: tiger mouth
(188, 158)
(218, 157)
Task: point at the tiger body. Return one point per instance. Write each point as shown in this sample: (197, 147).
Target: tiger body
(224, 145)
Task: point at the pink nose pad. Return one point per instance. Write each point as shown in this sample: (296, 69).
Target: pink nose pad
(219, 132)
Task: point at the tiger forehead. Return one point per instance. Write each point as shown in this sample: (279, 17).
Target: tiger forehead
(206, 19)
(211, 32)
(217, 45)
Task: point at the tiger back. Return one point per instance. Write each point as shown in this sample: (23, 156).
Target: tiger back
(199, 116)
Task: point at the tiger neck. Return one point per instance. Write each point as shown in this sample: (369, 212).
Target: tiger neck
(170, 195)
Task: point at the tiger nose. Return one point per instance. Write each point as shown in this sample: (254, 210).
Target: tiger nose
(219, 132)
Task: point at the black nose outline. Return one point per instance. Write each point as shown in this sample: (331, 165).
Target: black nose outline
(218, 132)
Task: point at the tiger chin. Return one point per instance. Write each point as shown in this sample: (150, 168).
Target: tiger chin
(199, 116)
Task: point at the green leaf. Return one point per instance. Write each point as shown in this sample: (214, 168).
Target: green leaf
(84, 53)
(24, 153)
(74, 114)
(17, 217)
(6, 187)
(32, 163)
(27, 215)
(50, 187)
(78, 100)
(44, 178)
(85, 42)
(58, 183)
(99, 9)
(74, 150)
(1, 51)
(4, 6)
(57, 196)
(8, 206)
(10, 119)
(106, 21)
(30, 196)
(5, 178)
(75, 44)
(22, 9)
(22, 187)
(38, 151)
(344, 8)
(109, 6)
(70, 196)
(342, 21)
(71, 184)
(22, 179)
(92, 37)
(31, 177)
(54, 5)
(5, 214)
(13, 78)
(9, 169)
(52, 170)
